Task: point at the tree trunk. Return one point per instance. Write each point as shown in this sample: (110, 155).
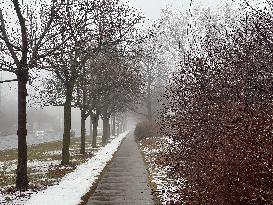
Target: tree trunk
(122, 127)
(105, 130)
(149, 108)
(83, 111)
(21, 173)
(82, 131)
(108, 129)
(149, 100)
(91, 126)
(67, 128)
(118, 128)
(114, 125)
(95, 131)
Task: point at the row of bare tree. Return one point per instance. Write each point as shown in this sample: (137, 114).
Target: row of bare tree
(82, 53)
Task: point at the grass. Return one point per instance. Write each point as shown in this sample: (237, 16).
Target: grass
(151, 149)
(153, 186)
(164, 187)
(44, 160)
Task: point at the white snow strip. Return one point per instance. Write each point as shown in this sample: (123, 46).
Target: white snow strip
(76, 184)
(52, 153)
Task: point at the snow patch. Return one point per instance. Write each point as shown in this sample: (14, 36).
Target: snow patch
(52, 153)
(76, 184)
(166, 187)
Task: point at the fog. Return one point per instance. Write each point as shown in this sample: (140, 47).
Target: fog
(180, 100)
(50, 118)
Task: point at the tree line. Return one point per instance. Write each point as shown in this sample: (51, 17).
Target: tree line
(83, 55)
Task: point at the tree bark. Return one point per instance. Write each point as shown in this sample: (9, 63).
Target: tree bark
(149, 106)
(122, 127)
(21, 173)
(149, 98)
(67, 128)
(108, 129)
(114, 125)
(95, 131)
(118, 128)
(91, 126)
(105, 130)
(82, 131)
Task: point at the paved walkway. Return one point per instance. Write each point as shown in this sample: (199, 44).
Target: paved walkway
(125, 180)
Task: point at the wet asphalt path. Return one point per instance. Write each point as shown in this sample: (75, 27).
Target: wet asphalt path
(125, 180)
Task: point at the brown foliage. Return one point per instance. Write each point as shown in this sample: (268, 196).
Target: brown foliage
(220, 117)
(146, 129)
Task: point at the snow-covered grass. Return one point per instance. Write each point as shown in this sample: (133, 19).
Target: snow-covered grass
(164, 186)
(43, 163)
(75, 184)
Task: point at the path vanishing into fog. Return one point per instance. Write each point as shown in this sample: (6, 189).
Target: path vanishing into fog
(125, 179)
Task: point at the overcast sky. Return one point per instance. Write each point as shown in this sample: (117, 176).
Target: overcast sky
(152, 8)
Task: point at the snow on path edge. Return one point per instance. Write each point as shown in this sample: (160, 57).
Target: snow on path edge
(77, 183)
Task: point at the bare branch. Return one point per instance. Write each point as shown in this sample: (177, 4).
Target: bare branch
(6, 39)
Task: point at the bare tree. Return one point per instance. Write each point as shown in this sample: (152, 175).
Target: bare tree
(114, 84)
(21, 50)
(159, 57)
(67, 64)
(121, 33)
(94, 27)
